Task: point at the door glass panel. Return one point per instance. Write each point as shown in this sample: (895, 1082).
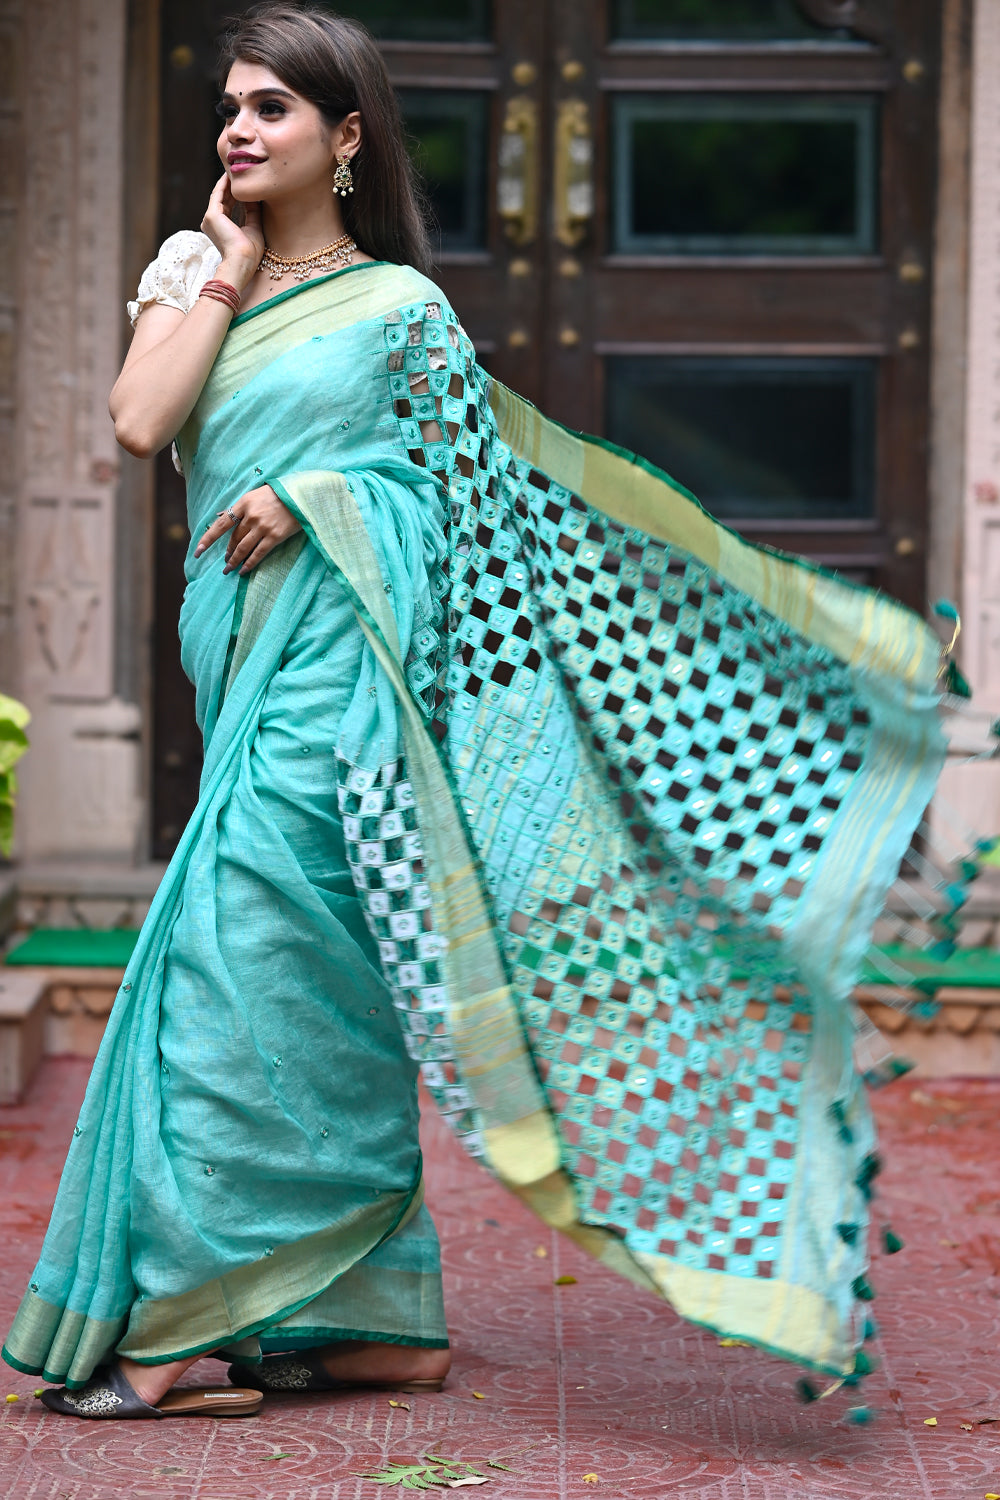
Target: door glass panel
(450, 137)
(738, 174)
(430, 21)
(716, 20)
(753, 437)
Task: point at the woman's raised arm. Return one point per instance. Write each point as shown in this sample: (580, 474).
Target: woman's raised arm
(172, 352)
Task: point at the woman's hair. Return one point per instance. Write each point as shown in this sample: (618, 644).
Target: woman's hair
(335, 64)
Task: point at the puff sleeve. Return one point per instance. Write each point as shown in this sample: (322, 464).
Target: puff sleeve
(185, 262)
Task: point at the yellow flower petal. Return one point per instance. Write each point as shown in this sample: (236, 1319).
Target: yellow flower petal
(930, 1421)
(479, 1395)
(13, 1398)
(565, 1281)
(591, 1479)
(733, 1344)
(403, 1405)
(540, 1253)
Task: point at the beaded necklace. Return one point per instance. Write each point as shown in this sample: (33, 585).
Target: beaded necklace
(329, 258)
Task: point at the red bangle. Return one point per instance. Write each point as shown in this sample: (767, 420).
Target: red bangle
(221, 291)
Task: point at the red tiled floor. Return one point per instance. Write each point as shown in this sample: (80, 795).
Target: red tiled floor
(591, 1378)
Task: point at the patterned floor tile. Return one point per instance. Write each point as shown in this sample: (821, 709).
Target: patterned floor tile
(594, 1377)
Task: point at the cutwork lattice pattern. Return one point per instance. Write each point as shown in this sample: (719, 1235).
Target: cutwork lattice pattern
(383, 849)
(649, 765)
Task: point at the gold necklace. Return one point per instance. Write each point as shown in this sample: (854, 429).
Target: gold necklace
(302, 266)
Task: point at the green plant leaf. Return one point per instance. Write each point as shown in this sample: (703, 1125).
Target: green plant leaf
(6, 828)
(16, 712)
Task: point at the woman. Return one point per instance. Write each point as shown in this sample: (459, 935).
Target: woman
(517, 766)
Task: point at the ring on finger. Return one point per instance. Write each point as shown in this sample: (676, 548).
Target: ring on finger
(232, 515)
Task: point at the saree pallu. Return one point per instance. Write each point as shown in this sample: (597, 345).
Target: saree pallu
(620, 797)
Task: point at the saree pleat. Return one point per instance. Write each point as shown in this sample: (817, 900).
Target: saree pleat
(600, 806)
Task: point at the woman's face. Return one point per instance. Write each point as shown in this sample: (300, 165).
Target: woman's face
(274, 143)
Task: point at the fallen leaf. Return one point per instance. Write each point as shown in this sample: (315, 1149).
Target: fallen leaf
(991, 1497)
(13, 1398)
(479, 1395)
(930, 1421)
(565, 1281)
(733, 1344)
(460, 1484)
(269, 1458)
(403, 1405)
(541, 1252)
(591, 1479)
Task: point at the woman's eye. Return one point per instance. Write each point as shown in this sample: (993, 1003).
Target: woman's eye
(272, 107)
(225, 111)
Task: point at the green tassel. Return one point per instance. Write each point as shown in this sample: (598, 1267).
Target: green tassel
(957, 895)
(862, 1290)
(968, 869)
(806, 1391)
(844, 1130)
(955, 683)
(863, 1364)
(891, 1243)
(859, 1415)
(871, 1329)
(867, 1172)
(848, 1233)
(887, 1071)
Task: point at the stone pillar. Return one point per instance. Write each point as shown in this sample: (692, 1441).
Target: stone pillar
(81, 780)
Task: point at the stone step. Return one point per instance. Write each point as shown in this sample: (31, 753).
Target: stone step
(51, 1012)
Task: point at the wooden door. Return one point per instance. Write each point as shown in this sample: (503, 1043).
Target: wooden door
(749, 304)
(701, 228)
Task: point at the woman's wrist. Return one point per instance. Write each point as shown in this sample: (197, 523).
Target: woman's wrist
(238, 273)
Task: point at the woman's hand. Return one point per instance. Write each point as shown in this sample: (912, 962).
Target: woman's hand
(257, 523)
(240, 247)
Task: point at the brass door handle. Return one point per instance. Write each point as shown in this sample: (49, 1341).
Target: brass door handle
(574, 177)
(517, 180)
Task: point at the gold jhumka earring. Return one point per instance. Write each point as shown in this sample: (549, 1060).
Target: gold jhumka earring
(343, 181)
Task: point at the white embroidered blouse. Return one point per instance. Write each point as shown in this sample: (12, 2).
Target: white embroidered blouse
(185, 262)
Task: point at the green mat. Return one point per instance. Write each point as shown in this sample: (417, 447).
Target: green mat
(967, 968)
(76, 947)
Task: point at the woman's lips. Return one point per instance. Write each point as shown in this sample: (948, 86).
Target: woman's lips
(243, 164)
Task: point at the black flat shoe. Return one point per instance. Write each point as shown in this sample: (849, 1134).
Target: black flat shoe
(110, 1397)
(306, 1372)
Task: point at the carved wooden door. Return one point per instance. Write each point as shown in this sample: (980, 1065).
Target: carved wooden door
(701, 228)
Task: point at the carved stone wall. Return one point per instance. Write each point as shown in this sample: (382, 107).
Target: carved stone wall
(80, 785)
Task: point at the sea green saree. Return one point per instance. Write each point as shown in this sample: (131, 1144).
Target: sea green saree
(521, 769)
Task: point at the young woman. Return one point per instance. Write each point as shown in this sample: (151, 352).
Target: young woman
(517, 766)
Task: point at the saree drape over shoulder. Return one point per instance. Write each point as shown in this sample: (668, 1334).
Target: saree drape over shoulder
(521, 769)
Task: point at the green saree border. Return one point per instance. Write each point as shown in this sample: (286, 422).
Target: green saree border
(231, 1306)
(304, 286)
(304, 1266)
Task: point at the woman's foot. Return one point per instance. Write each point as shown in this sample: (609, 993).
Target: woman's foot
(361, 1360)
(152, 1382)
(356, 1363)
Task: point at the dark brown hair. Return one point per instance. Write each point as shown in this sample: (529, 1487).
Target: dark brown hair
(335, 64)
